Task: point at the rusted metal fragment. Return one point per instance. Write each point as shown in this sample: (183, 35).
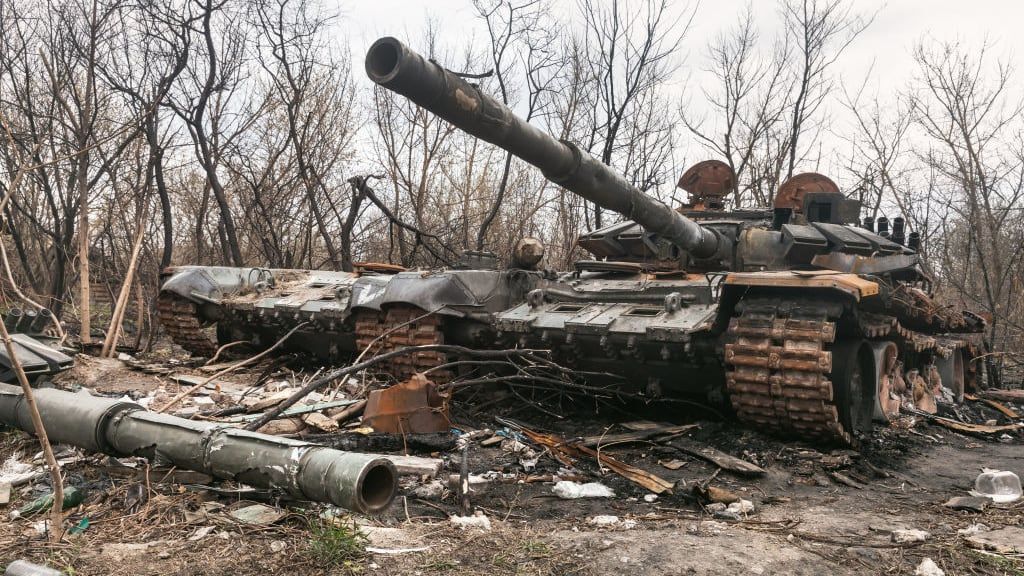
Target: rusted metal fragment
(1004, 395)
(412, 407)
(791, 192)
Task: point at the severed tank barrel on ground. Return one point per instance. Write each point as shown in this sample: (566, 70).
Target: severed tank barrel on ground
(393, 65)
(363, 483)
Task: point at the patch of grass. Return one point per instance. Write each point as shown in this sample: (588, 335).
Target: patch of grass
(338, 543)
(535, 548)
(1001, 564)
(440, 567)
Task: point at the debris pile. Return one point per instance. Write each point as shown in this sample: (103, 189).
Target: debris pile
(473, 469)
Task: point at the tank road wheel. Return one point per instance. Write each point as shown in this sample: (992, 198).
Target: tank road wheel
(853, 384)
(885, 356)
(779, 371)
(180, 318)
(953, 372)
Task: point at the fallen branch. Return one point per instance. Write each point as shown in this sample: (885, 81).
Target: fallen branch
(966, 427)
(349, 413)
(56, 482)
(634, 436)
(117, 317)
(174, 401)
(717, 457)
(216, 354)
(342, 372)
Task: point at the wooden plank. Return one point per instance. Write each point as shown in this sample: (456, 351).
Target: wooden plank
(297, 410)
(1004, 395)
(717, 457)
(192, 380)
(634, 436)
(415, 465)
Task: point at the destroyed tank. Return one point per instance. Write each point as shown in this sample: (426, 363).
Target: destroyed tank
(799, 317)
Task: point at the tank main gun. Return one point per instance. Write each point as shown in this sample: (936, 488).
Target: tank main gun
(393, 65)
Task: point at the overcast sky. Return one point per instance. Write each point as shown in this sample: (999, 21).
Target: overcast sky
(887, 42)
(884, 49)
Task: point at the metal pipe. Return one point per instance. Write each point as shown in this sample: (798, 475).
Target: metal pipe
(393, 65)
(361, 482)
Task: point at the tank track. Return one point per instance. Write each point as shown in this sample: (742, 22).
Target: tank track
(777, 369)
(180, 318)
(404, 326)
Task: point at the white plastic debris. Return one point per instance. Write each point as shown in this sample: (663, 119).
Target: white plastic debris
(650, 498)
(16, 472)
(201, 533)
(610, 520)
(999, 485)
(741, 507)
(973, 529)
(572, 490)
(478, 521)
(909, 536)
(928, 567)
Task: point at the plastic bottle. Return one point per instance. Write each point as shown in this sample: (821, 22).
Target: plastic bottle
(72, 497)
(999, 485)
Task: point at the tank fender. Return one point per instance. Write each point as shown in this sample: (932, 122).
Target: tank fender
(738, 285)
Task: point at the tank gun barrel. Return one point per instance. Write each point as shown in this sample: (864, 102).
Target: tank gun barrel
(393, 65)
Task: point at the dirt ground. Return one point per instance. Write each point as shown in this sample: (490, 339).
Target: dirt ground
(818, 510)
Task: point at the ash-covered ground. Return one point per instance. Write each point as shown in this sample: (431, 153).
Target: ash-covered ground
(816, 509)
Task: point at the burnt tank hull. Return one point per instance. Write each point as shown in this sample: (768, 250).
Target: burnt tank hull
(796, 317)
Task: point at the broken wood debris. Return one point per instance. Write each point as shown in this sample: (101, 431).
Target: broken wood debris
(969, 428)
(1005, 410)
(298, 410)
(565, 452)
(716, 457)
(634, 436)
